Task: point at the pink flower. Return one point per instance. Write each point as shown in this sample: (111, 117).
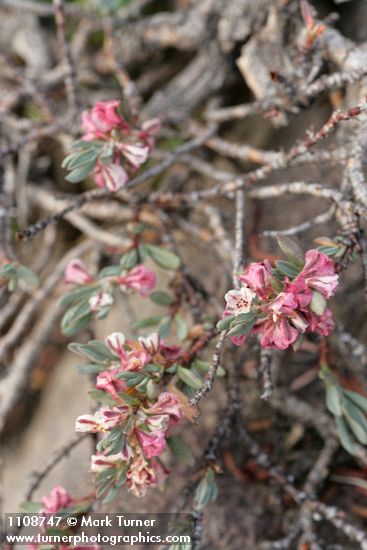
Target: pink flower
(135, 153)
(239, 301)
(277, 331)
(108, 382)
(56, 500)
(149, 129)
(151, 343)
(257, 277)
(87, 423)
(76, 273)
(301, 293)
(104, 420)
(167, 403)
(277, 334)
(170, 352)
(101, 120)
(109, 418)
(99, 462)
(100, 300)
(135, 360)
(319, 273)
(160, 472)
(140, 278)
(152, 443)
(140, 476)
(323, 324)
(154, 423)
(285, 302)
(110, 176)
(238, 340)
(116, 343)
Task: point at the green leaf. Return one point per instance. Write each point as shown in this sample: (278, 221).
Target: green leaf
(152, 390)
(164, 327)
(105, 474)
(329, 250)
(111, 495)
(78, 294)
(133, 379)
(318, 303)
(110, 271)
(75, 312)
(76, 318)
(75, 509)
(142, 386)
(68, 159)
(129, 260)
(79, 159)
(153, 368)
(204, 366)
(82, 144)
(147, 322)
(80, 173)
(287, 268)
(224, 323)
(9, 270)
(344, 435)
(90, 368)
(206, 491)
(276, 283)
(31, 507)
(243, 328)
(333, 402)
(117, 444)
(172, 369)
(356, 420)
(243, 318)
(189, 378)
(181, 449)
(163, 257)
(95, 350)
(292, 251)
(104, 486)
(357, 399)
(162, 298)
(102, 397)
(28, 276)
(181, 327)
(128, 375)
(73, 328)
(143, 251)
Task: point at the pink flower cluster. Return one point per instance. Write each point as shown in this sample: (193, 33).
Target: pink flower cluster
(57, 501)
(140, 279)
(145, 422)
(282, 310)
(104, 123)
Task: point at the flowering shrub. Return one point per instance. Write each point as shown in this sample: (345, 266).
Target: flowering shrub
(110, 149)
(282, 304)
(217, 199)
(145, 386)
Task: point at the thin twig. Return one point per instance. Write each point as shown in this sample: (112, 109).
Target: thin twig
(70, 71)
